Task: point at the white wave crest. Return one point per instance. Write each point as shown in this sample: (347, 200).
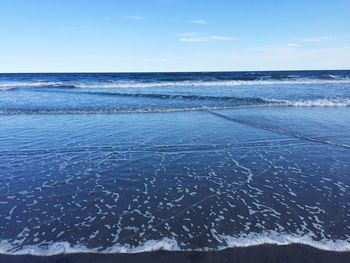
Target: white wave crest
(319, 103)
(190, 83)
(64, 247)
(170, 244)
(16, 84)
(225, 83)
(276, 238)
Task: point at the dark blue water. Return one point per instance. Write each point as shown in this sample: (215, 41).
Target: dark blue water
(179, 161)
(110, 93)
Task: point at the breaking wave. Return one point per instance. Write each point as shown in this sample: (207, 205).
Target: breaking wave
(174, 83)
(197, 103)
(319, 103)
(170, 244)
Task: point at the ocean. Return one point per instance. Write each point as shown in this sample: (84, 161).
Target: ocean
(134, 162)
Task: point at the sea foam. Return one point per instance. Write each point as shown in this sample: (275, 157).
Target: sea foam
(170, 244)
(319, 103)
(159, 84)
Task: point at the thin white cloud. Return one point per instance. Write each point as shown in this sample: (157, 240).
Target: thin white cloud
(316, 39)
(222, 38)
(133, 17)
(187, 34)
(199, 21)
(207, 39)
(198, 38)
(293, 45)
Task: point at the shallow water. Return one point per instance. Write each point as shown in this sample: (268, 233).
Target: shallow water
(188, 180)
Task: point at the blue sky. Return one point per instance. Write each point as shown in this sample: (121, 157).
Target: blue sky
(173, 35)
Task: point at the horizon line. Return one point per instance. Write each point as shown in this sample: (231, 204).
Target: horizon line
(165, 72)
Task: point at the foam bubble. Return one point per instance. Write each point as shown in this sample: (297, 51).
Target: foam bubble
(276, 238)
(64, 247)
(170, 244)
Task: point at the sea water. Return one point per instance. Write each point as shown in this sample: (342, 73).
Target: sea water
(130, 162)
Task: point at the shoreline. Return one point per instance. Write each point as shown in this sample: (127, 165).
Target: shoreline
(297, 253)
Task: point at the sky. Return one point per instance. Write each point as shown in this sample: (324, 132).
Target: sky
(173, 35)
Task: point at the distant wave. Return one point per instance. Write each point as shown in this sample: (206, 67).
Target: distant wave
(170, 244)
(240, 100)
(319, 103)
(236, 103)
(326, 102)
(113, 110)
(182, 83)
(28, 84)
(135, 84)
(36, 84)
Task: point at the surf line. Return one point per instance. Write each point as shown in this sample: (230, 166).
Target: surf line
(282, 132)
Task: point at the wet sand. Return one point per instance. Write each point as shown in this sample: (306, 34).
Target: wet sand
(265, 253)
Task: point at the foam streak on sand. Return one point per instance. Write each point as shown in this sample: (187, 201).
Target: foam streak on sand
(170, 244)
